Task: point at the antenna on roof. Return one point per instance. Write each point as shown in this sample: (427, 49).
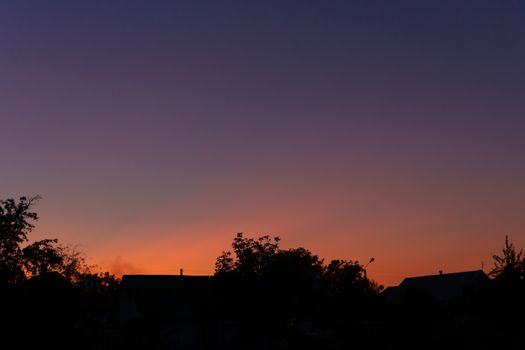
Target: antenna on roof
(482, 265)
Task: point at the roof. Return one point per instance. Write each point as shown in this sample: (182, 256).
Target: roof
(139, 281)
(441, 287)
(163, 297)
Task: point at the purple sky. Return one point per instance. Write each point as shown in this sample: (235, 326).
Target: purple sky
(156, 130)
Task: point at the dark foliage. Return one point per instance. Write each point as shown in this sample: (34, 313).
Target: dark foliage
(46, 289)
(262, 296)
(289, 285)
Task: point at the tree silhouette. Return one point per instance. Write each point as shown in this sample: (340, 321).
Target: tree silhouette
(252, 256)
(297, 264)
(42, 256)
(285, 284)
(510, 266)
(15, 225)
(262, 257)
(343, 275)
(18, 262)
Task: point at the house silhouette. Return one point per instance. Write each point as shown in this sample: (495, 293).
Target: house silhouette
(163, 297)
(442, 287)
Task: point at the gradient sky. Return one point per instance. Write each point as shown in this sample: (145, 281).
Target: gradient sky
(156, 130)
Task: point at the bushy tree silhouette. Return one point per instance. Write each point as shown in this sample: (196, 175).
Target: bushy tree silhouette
(252, 256)
(341, 275)
(42, 256)
(297, 264)
(262, 257)
(285, 284)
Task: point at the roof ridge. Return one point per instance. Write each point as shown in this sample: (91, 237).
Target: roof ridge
(448, 274)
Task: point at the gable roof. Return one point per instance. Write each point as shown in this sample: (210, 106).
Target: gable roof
(441, 287)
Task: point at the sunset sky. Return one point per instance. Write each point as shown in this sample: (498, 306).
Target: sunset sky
(157, 130)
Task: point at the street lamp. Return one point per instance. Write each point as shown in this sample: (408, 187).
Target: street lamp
(364, 267)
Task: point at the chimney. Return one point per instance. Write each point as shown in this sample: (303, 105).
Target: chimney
(181, 272)
(440, 272)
